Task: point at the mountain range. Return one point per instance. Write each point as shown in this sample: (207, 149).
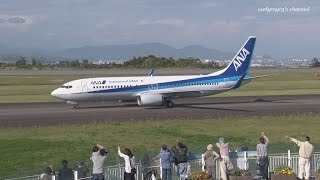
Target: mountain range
(122, 52)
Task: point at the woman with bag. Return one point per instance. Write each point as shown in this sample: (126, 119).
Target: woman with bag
(129, 169)
(210, 158)
(225, 163)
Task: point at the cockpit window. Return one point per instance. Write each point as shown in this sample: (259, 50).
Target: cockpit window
(66, 87)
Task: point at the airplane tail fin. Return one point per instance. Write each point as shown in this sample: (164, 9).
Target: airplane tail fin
(240, 64)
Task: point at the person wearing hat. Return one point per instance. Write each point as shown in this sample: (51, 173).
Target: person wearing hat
(210, 157)
(305, 154)
(165, 159)
(225, 163)
(47, 174)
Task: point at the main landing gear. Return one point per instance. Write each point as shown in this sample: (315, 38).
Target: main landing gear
(76, 106)
(168, 104)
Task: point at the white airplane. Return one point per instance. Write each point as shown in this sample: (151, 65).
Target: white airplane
(160, 90)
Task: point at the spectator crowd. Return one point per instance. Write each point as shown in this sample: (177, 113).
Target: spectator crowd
(178, 155)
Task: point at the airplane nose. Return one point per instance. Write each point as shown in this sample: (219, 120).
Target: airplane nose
(58, 93)
(54, 93)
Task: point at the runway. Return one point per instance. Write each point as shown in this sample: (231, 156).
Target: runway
(44, 114)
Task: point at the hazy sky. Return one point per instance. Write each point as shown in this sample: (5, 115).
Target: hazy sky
(219, 24)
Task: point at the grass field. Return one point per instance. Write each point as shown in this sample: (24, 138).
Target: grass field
(37, 88)
(22, 149)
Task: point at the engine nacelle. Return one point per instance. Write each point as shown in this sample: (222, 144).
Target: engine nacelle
(150, 100)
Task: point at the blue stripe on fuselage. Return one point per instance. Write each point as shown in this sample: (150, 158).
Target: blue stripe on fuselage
(170, 84)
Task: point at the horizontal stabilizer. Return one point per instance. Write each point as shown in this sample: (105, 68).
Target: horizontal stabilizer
(255, 77)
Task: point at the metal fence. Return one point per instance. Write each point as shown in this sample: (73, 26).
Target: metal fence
(291, 160)
(35, 177)
(246, 160)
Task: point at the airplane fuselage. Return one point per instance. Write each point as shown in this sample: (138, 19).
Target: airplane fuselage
(128, 88)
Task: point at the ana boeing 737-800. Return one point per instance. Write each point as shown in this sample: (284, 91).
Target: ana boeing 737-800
(160, 90)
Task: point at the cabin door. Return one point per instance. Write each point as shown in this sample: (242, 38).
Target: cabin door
(84, 86)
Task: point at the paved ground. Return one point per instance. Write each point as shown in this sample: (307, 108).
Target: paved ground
(44, 114)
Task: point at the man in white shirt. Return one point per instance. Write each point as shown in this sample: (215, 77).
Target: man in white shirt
(305, 155)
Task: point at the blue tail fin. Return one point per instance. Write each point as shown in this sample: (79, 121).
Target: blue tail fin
(240, 64)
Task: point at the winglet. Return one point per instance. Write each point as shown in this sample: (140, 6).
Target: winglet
(238, 84)
(151, 73)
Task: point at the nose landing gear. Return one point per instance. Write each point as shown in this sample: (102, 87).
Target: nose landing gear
(75, 104)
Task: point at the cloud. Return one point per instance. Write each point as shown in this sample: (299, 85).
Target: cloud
(249, 18)
(69, 2)
(16, 20)
(6, 19)
(208, 5)
(15, 23)
(226, 26)
(292, 27)
(170, 22)
(144, 22)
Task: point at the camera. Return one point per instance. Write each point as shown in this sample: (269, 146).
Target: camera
(103, 152)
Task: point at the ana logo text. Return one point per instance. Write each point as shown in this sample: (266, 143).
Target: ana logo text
(237, 62)
(97, 82)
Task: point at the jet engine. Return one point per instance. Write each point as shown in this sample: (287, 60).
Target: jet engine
(150, 100)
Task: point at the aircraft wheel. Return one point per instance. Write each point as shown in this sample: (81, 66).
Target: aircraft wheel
(169, 104)
(76, 106)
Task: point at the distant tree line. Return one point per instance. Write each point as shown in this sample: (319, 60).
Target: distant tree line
(162, 62)
(315, 62)
(150, 61)
(22, 63)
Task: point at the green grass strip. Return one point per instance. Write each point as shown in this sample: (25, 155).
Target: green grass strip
(24, 149)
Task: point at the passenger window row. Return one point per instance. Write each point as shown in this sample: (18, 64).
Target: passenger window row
(123, 86)
(191, 84)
